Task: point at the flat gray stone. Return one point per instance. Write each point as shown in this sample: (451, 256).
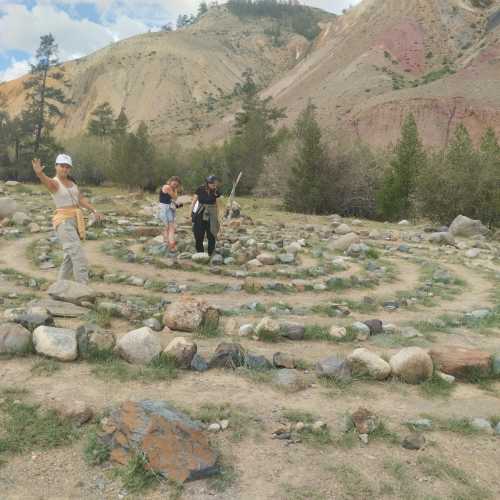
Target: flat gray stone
(71, 291)
(60, 309)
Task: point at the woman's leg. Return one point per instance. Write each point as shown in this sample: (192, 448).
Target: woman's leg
(199, 235)
(172, 245)
(74, 263)
(211, 239)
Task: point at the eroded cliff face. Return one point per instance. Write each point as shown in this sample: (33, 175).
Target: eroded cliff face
(439, 59)
(179, 82)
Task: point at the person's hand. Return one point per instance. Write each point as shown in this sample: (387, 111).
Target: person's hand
(37, 166)
(98, 216)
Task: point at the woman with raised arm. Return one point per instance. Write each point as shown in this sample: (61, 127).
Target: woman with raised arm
(68, 221)
(168, 206)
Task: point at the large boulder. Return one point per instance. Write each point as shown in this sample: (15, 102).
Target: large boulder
(20, 218)
(343, 229)
(91, 338)
(228, 355)
(283, 360)
(139, 346)
(465, 227)
(412, 364)
(8, 207)
(172, 444)
(335, 367)
(72, 292)
(267, 259)
(365, 363)
(461, 362)
(57, 343)
(268, 329)
(182, 351)
(292, 331)
(344, 242)
(441, 238)
(188, 314)
(14, 338)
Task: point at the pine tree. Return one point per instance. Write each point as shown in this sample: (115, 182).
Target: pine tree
(489, 179)
(254, 137)
(44, 99)
(309, 184)
(396, 197)
(463, 166)
(202, 8)
(121, 124)
(102, 122)
(142, 159)
(133, 159)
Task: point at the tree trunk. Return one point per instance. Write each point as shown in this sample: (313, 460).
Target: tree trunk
(41, 115)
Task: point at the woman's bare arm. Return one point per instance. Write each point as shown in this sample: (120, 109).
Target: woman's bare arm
(167, 189)
(49, 183)
(195, 199)
(85, 203)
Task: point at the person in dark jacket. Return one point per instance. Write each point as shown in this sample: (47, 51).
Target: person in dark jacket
(204, 214)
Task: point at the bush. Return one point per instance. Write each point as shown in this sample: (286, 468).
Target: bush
(462, 180)
(395, 199)
(91, 158)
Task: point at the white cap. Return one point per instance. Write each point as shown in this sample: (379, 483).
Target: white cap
(64, 160)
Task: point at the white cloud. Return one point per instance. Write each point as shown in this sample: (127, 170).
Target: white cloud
(15, 70)
(21, 28)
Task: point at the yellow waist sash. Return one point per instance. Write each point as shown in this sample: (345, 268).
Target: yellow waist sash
(63, 214)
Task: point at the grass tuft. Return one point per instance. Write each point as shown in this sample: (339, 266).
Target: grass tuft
(241, 420)
(136, 477)
(436, 387)
(45, 367)
(108, 367)
(95, 452)
(209, 329)
(27, 427)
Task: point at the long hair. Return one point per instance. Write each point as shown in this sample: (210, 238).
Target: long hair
(177, 179)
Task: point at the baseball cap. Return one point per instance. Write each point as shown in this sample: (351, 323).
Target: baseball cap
(63, 159)
(211, 179)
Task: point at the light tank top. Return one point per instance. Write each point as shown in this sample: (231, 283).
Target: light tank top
(64, 196)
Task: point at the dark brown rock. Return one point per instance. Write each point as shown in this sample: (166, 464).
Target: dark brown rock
(283, 360)
(375, 326)
(172, 443)
(414, 441)
(364, 421)
(227, 355)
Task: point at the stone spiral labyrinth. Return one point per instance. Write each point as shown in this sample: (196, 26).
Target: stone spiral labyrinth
(325, 357)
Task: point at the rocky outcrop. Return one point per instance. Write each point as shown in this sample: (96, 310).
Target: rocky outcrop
(172, 444)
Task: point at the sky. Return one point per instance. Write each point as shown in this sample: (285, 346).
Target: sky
(83, 26)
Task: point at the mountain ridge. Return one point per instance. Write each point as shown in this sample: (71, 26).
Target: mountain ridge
(439, 59)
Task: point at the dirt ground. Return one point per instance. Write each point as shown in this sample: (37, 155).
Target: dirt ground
(455, 465)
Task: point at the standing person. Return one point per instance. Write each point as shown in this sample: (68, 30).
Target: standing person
(204, 213)
(68, 221)
(168, 196)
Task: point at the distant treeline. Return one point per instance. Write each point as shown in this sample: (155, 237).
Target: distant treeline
(297, 18)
